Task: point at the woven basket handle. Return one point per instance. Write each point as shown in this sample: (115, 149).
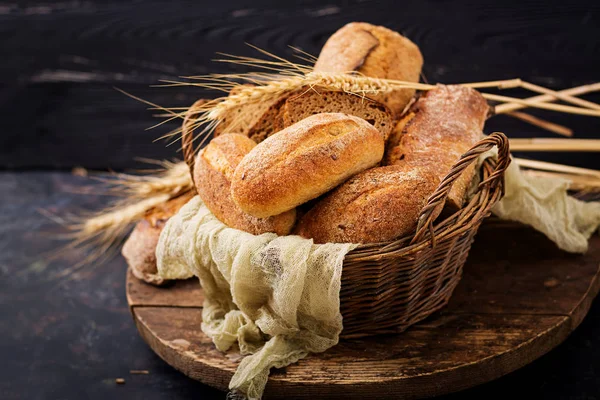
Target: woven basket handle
(438, 197)
(187, 136)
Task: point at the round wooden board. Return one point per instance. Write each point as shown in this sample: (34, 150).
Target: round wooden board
(519, 297)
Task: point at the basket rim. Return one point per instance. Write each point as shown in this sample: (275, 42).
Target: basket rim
(489, 191)
(444, 229)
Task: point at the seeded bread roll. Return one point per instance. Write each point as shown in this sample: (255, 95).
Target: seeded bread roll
(441, 126)
(377, 52)
(213, 170)
(304, 161)
(139, 249)
(377, 205)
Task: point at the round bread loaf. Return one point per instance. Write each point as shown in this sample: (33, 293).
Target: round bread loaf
(377, 205)
(139, 249)
(304, 161)
(213, 170)
(377, 52)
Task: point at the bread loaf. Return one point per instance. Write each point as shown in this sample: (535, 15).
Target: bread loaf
(139, 249)
(213, 171)
(294, 107)
(304, 161)
(299, 106)
(377, 205)
(377, 52)
(441, 126)
(249, 119)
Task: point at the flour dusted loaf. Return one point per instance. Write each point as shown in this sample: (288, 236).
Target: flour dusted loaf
(139, 249)
(303, 162)
(442, 125)
(213, 171)
(377, 52)
(377, 205)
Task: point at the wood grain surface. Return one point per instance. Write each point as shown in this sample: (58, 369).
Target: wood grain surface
(61, 61)
(519, 298)
(72, 337)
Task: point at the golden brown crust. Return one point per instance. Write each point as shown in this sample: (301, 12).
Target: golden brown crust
(139, 249)
(377, 205)
(304, 161)
(213, 171)
(441, 126)
(377, 52)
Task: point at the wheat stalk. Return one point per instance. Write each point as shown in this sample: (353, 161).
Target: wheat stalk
(575, 91)
(102, 231)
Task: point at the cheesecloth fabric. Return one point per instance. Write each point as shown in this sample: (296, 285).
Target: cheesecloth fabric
(278, 298)
(543, 203)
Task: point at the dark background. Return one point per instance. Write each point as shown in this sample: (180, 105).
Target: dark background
(59, 62)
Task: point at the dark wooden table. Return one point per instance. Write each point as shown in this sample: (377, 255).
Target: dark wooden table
(71, 338)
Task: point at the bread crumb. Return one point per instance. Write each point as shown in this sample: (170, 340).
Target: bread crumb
(120, 381)
(139, 372)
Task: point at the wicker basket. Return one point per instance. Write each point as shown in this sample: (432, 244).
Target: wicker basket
(386, 287)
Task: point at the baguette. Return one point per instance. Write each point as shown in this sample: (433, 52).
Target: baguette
(139, 249)
(303, 162)
(440, 126)
(377, 205)
(377, 52)
(213, 170)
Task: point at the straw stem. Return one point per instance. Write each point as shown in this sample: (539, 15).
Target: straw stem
(552, 167)
(542, 123)
(575, 91)
(542, 144)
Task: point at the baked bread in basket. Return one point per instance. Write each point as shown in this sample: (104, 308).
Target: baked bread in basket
(409, 259)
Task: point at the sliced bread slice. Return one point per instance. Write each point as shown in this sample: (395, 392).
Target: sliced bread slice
(309, 102)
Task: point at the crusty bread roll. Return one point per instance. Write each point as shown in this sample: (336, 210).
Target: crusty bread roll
(304, 161)
(440, 126)
(377, 52)
(139, 249)
(377, 205)
(213, 170)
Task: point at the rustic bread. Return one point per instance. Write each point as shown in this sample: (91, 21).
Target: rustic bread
(299, 106)
(304, 161)
(377, 52)
(377, 205)
(248, 119)
(213, 171)
(139, 249)
(440, 126)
